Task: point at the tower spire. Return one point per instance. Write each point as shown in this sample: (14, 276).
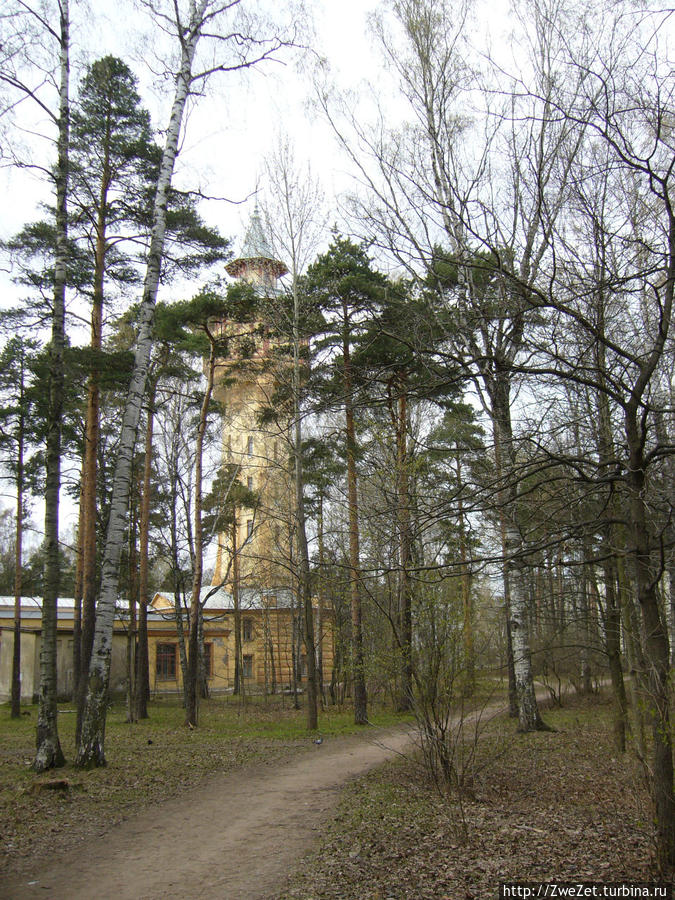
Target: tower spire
(257, 264)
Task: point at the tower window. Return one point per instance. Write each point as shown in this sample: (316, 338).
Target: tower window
(249, 446)
(249, 482)
(249, 527)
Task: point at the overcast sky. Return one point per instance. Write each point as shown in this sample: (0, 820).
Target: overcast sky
(231, 129)
(228, 132)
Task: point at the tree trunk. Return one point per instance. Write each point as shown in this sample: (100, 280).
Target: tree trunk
(506, 578)
(657, 653)
(180, 634)
(192, 692)
(91, 442)
(469, 675)
(238, 660)
(294, 650)
(49, 753)
(613, 649)
(142, 670)
(358, 662)
(303, 552)
(405, 699)
(634, 655)
(585, 614)
(18, 561)
(671, 584)
(273, 671)
(266, 646)
(528, 709)
(202, 682)
(91, 750)
(320, 538)
(131, 633)
(77, 600)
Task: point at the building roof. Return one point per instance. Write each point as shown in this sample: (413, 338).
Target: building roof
(217, 598)
(256, 254)
(256, 242)
(35, 603)
(31, 608)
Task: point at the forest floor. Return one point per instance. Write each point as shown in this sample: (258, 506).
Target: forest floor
(546, 806)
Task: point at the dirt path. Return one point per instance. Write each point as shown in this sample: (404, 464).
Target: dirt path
(234, 838)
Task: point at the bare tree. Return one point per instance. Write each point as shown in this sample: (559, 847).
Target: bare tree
(295, 222)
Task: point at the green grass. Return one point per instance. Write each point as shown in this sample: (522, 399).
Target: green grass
(226, 718)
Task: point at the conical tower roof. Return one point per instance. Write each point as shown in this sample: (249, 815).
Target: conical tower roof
(256, 242)
(256, 262)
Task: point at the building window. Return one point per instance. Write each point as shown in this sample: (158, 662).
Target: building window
(248, 629)
(248, 666)
(249, 482)
(208, 660)
(302, 669)
(249, 527)
(249, 446)
(165, 665)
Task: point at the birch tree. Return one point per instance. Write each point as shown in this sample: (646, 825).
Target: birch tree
(188, 23)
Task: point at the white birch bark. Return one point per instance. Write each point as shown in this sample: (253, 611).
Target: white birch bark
(247, 50)
(529, 718)
(91, 748)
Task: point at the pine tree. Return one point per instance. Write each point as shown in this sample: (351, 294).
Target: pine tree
(111, 155)
(208, 324)
(344, 285)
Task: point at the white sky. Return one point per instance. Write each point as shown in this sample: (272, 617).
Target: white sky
(231, 129)
(226, 137)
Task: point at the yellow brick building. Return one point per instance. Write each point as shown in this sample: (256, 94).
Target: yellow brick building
(270, 640)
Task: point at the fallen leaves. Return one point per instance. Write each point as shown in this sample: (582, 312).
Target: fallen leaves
(556, 807)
